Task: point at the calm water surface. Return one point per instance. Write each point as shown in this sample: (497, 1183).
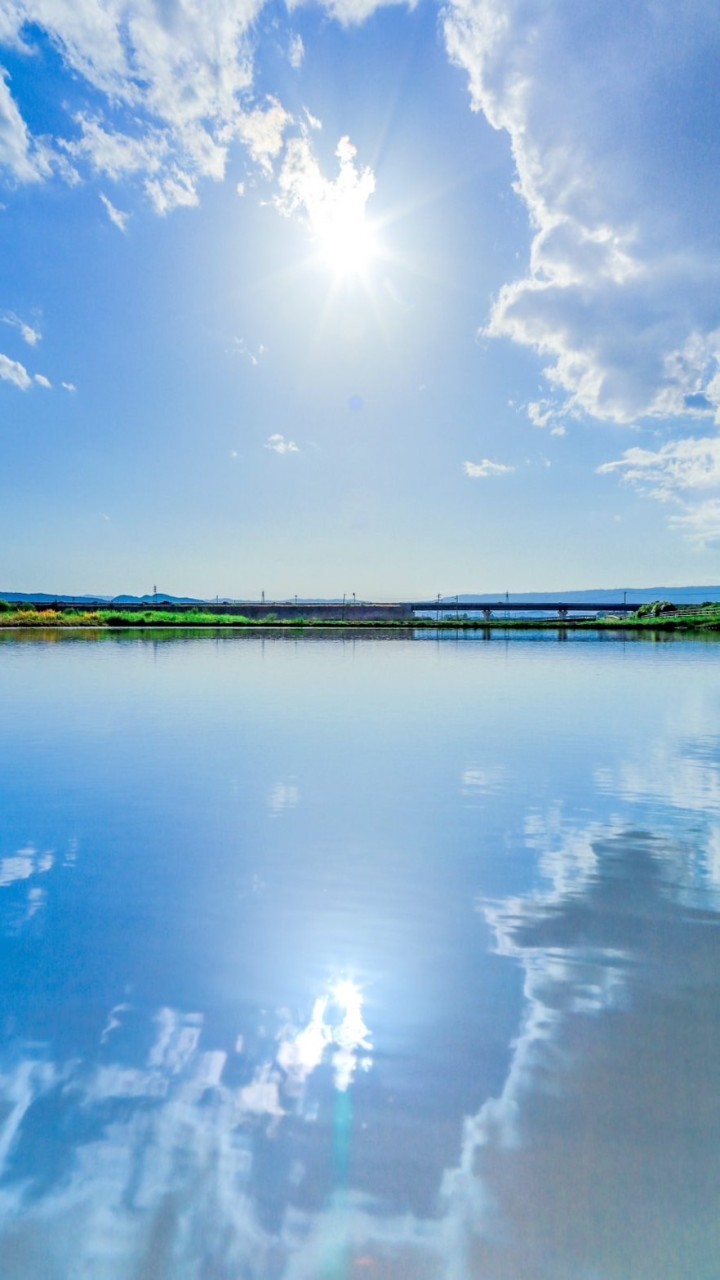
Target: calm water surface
(359, 959)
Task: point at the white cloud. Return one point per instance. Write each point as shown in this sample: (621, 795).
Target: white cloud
(279, 444)
(353, 12)
(263, 132)
(312, 120)
(480, 470)
(174, 190)
(42, 381)
(171, 79)
(684, 472)
(254, 356)
(69, 386)
(284, 795)
(677, 466)
(25, 158)
(116, 154)
(700, 524)
(116, 216)
(28, 333)
(24, 864)
(482, 781)
(296, 52)
(13, 371)
(333, 209)
(615, 166)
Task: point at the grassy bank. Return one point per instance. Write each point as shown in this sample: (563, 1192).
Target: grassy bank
(657, 617)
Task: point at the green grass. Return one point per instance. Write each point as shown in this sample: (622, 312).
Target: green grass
(656, 617)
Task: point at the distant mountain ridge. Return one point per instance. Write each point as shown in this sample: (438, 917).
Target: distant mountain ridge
(604, 595)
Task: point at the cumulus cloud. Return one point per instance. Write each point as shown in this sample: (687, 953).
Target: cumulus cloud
(263, 132)
(325, 204)
(279, 444)
(42, 381)
(480, 470)
(165, 100)
(13, 371)
(170, 86)
(617, 171)
(68, 386)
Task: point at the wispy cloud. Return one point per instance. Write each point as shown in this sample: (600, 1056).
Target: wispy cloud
(253, 355)
(480, 470)
(284, 795)
(29, 334)
(683, 472)
(279, 444)
(116, 216)
(351, 13)
(42, 381)
(701, 524)
(22, 156)
(296, 51)
(677, 466)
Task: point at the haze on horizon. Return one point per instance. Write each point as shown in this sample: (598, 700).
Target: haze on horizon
(393, 299)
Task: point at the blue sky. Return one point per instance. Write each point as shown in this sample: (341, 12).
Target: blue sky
(359, 297)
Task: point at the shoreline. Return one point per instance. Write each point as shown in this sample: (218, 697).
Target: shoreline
(634, 626)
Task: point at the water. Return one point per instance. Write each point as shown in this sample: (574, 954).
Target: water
(368, 958)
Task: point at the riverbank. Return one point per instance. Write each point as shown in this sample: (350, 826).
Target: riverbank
(701, 619)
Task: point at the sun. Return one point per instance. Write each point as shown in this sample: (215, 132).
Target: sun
(346, 240)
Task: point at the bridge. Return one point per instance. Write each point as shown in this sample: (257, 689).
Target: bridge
(488, 608)
(346, 610)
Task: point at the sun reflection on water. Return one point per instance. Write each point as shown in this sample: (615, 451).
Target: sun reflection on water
(336, 1020)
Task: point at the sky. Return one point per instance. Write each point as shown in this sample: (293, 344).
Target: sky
(334, 297)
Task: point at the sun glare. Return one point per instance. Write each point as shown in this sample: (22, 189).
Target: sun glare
(346, 241)
(344, 237)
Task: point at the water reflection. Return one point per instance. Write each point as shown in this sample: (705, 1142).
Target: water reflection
(602, 1153)
(23, 873)
(164, 1166)
(505, 867)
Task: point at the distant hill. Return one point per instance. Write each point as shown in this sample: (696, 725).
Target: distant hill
(43, 597)
(634, 595)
